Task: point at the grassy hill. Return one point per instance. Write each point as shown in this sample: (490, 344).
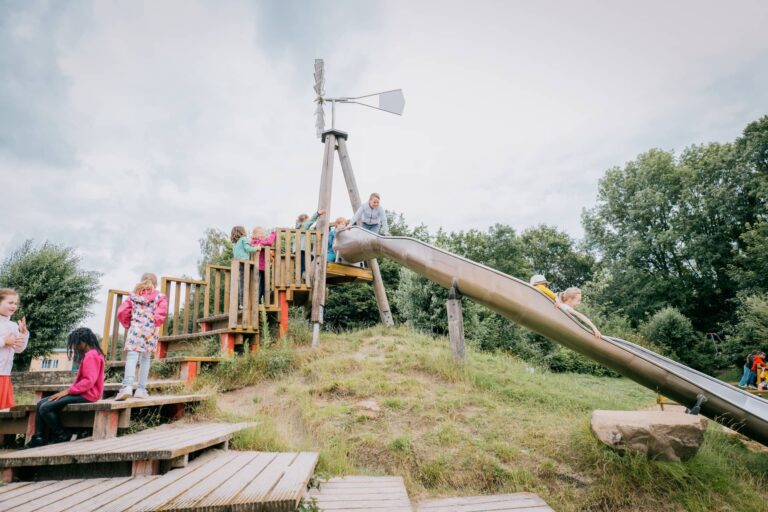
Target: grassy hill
(489, 427)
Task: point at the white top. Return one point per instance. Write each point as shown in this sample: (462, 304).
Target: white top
(6, 353)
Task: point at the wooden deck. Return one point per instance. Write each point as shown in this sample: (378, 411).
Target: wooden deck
(518, 502)
(215, 481)
(359, 493)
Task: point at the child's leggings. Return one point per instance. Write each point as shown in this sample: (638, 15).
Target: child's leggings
(48, 413)
(130, 368)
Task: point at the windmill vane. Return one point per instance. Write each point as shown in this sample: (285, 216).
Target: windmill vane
(391, 101)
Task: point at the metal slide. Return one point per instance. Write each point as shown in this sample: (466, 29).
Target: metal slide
(525, 305)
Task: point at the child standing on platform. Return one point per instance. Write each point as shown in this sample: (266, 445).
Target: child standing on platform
(260, 239)
(241, 250)
(304, 221)
(88, 387)
(340, 223)
(13, 340)
(142, 314)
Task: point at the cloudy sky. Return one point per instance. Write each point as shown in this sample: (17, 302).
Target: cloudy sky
(127, 128)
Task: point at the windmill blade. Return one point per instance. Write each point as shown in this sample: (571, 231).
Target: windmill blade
(320, 92)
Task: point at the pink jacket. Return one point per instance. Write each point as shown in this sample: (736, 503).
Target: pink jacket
(268, 241)
(124, 311)
(89, 382)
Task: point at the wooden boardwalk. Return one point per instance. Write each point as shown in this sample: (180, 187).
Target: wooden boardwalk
(518, 502)
(215, 481)
(161, 443)
(359, 493)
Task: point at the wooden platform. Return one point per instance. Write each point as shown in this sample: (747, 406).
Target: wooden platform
(217, 480)
(518, 502)
(359, 493)
(337, 273)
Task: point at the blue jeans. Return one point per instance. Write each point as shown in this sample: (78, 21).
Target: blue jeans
(374, 228)
(130, 368)
(47, 413)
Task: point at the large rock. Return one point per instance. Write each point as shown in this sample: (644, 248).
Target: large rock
(662, 436)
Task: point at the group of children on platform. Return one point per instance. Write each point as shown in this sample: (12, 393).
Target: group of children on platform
(142, 314)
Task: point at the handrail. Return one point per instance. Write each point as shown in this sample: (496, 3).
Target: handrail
(185, 307)
(111, 334)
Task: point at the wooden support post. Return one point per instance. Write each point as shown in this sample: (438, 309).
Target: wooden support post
(227, 340)
(105, 424)
(323, 203)
(105, 337)
(256, 342)
(162, 350)
(188, 371)
(455, 325)
(30, 427)
(283, 303)
(145, 468)
(354, 198)
(7, 475)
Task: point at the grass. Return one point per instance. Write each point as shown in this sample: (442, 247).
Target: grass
(487, 427)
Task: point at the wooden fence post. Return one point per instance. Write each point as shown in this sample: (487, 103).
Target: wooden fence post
(455, 325)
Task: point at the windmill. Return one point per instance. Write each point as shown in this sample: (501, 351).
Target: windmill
(391, 101)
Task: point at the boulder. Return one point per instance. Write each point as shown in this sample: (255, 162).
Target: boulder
(662, 436)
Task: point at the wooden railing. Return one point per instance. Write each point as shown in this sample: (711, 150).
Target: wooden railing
(183, 308)
(217, 297)
(292, 246)
(111, 335)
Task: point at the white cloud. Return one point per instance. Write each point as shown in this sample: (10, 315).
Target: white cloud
(167, 118)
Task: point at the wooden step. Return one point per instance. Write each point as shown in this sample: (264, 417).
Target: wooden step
(359, 493)
(108, 386)
(517, 502)
(172, 443)
(216, 480)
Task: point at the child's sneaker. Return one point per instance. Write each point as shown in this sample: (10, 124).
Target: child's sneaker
(141, 393)
(124, 393)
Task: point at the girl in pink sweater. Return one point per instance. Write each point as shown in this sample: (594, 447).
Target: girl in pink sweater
(260, 239)
(142, 314)
(88, 387)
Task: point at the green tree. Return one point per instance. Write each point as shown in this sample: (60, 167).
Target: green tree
(215, 249)
(671, 330)
(750, 331)
(665, 229)
(55, 294)
(551, 252)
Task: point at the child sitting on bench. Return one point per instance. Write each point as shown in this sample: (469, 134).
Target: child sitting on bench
(88, 387)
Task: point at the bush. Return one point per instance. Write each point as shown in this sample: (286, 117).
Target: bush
(675, 334)
(750, 331)
(564, 360)
(55, 294)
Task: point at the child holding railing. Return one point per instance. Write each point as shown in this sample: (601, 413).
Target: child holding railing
(304, 221)
(142, 314)
(567, 302)
(260, 239)
(241, 250)
(340, 223)
(88, 387)
(13, 340)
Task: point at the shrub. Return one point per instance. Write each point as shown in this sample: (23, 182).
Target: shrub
(675, 333)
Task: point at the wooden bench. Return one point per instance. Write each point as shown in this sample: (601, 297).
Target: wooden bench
(43, 390)
(216, 480)
(104, 416)
(150, 452)
(189, 366)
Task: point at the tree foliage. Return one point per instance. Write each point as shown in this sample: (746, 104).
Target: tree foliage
(215, 249)
(55, 294)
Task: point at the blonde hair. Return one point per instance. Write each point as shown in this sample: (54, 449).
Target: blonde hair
(257, 228)
(340, 220)
(570, 293)
(237, 233)
(7, 292)
(148, 282)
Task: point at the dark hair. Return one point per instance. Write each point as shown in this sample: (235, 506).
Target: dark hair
(85, 335)
(236, 233)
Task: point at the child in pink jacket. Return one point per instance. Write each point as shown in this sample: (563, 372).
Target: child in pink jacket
(88, 387)
(259, 238)
(142, 314)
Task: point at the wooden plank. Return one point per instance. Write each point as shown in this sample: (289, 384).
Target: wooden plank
(293, 484)
(518, 502)
(251, 322)
(160, 493)
(96, 496)
(108, 386)
(297, 259)
(115, 337)
(176, 305)
(105, 337)
(164, 291)
(207, 301)
(232, 487)
(216, 294)
(12, 503)
(246, 291)
(268, 278)
(227, 277)
(259, 488)
(381, 494)
(311, 249)
(187, 306)
(231, 306)
(198, 289)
